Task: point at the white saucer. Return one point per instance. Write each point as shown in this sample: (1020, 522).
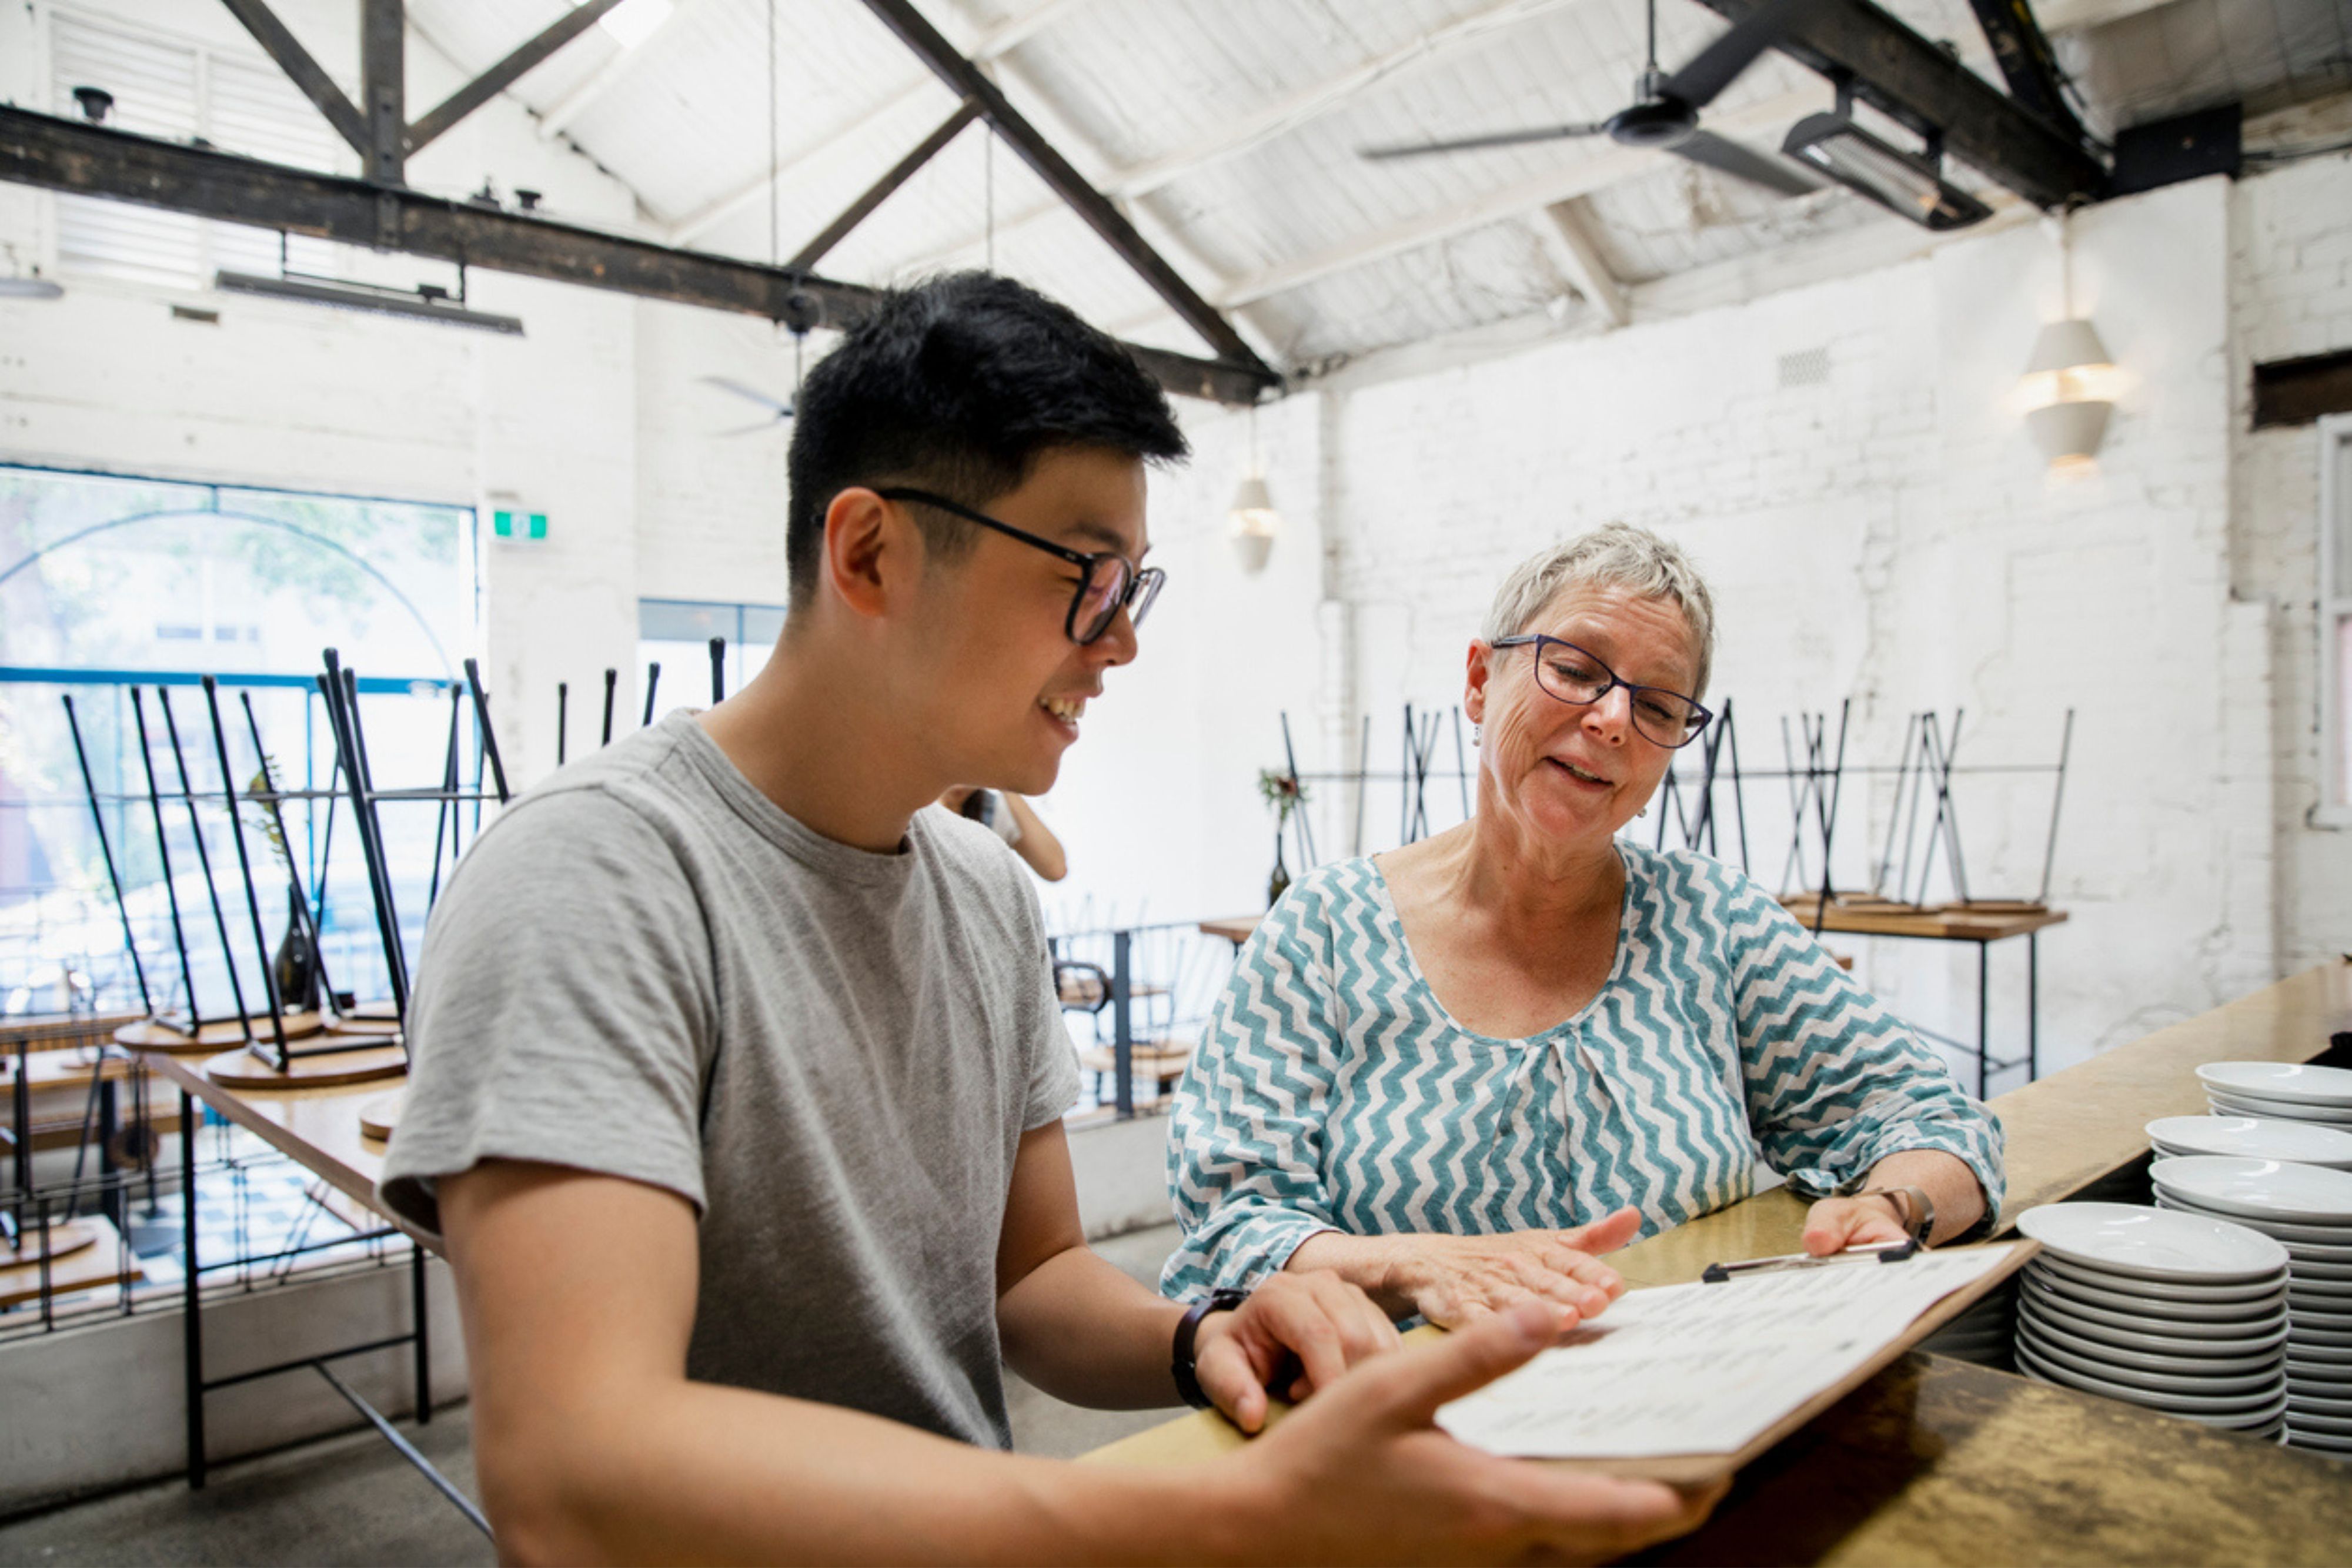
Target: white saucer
(2264, 1189)
(2325, 1086)
(2051, 1318)
(2152, 1243)
(2320, 1425)
(2276, 1110)
(2291, 1232)
(2131, 1288)
(2118, 1296)
(2054, 1339)
(2267, 1373)
(2315, 1336)
(2230, 1411)
(2251, 1138)
(2317, 1442)
(2137, 1321)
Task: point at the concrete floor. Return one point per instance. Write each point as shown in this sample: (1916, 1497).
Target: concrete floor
(351, 1499)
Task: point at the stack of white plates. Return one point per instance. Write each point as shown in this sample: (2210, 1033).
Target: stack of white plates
(2245, 1137)
(1982, 1334)
(2308, 1210)
(2175, 1312)
(2279, 1091)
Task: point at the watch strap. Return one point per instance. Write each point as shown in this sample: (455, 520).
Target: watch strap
(1182, 1362)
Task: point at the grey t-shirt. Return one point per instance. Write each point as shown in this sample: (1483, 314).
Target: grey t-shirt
(645, 969)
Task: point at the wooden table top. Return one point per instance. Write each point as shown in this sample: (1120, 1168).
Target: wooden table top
(1235, 929)
(1951, 924)
(1941, 1461)
(106, 1261)
(318, 1128)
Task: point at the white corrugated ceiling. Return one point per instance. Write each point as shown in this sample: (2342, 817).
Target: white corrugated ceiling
(1229, 131)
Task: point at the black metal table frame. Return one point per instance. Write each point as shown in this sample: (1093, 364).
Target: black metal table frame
(1982, 1050)
(198, 1387)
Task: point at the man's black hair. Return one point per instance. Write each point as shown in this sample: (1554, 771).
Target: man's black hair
(959, 385)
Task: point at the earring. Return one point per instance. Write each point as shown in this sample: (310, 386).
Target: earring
(1478, 732)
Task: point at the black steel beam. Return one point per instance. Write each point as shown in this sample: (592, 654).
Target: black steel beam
(1915, 82)
(74, 156)
(2022, 51)
(904, 170)
(525, 57)
(966, 80)
(305, 72)
(384, 90)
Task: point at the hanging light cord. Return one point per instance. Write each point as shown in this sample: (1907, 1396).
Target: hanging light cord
(988, 194)
(775, 249)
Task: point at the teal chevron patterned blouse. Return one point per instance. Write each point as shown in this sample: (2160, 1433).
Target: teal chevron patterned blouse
(1332, 1092)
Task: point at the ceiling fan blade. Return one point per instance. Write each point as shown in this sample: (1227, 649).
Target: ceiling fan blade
(740, 389)
(1470, 144)
(1730, 157)
(764, 425)
(1715, 67)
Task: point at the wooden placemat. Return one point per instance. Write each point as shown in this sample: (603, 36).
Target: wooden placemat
(380, 1115)
(65, 1239)
(245, 1069)
(155, 1034)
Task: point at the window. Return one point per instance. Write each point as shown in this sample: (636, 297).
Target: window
(676, 633)
(2335, 618)
(107, 583)
(169, 88)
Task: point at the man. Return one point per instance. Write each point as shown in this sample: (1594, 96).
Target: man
(739, 1076)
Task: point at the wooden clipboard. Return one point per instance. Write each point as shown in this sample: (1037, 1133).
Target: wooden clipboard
(1699, 1469)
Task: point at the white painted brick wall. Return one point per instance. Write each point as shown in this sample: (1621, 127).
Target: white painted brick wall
(2291, 294)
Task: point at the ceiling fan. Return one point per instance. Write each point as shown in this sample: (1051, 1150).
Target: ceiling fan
(781, 412)
(1664, 115)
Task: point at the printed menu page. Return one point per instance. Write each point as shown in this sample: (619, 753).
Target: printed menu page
(1706, 1369)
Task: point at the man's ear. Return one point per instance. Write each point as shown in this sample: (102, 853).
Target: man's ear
(1477, 666)
(872, 551)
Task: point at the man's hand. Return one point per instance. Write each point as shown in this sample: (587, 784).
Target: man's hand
(1303, 1329)
(1362, 1473)
(1454, 1281)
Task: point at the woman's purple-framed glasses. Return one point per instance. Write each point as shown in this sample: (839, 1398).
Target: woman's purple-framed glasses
(1108, 579)
(1571, 674)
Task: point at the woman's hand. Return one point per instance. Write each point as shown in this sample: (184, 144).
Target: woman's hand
(1835, 1224)
(1456, 1280)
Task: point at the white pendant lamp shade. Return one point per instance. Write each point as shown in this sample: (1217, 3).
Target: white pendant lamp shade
(2067, 346)
(1254, 522)
(2069, 378)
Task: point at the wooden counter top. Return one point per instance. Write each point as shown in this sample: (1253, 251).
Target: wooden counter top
(1938, 1461)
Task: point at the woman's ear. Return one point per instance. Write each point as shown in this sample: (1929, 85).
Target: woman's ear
(1478, 665)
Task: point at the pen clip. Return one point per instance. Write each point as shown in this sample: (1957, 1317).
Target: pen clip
(1879, 1252)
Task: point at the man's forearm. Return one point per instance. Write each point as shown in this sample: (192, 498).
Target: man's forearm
(697, 1472)
(1082, 1330)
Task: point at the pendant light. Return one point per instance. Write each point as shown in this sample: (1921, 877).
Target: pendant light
(1252, 521)
(2070, 379)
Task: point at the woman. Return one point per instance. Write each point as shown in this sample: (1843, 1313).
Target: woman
(1456, 1073)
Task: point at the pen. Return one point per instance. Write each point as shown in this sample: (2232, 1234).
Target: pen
(1882, 1251)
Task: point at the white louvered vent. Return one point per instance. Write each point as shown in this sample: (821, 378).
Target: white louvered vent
(171, 87)
(1810, 368)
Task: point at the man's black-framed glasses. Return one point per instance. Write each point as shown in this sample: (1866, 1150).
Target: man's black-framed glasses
(1572, 675)
(1107, 580)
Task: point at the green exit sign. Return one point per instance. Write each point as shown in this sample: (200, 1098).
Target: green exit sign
(519, 525)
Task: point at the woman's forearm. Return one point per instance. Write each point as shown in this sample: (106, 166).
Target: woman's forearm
(1946, 1180)
(1373, 1264)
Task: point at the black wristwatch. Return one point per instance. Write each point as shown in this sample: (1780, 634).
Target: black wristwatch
(1187, 1372)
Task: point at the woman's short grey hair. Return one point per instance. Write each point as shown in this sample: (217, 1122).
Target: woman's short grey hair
(1615, 555)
